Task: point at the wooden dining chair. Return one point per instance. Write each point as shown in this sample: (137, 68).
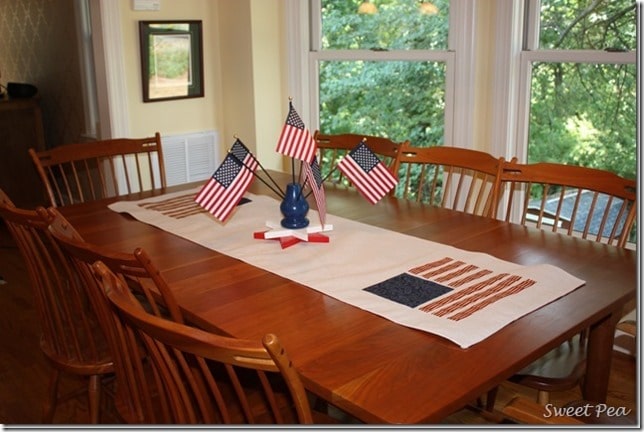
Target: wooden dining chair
(71, 337)
(333, 147)
(585, 202)
(590, 203)
(201, 377)
(138, 398)
(80, 172)
(135, 401)
(452, 177)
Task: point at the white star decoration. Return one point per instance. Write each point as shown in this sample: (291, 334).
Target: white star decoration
(290, 237)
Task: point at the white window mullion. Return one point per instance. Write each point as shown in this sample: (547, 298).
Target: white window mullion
(508, 39)
(297, 32)
(581, 56)
(369, 55)
(455, 87)
(459, 97)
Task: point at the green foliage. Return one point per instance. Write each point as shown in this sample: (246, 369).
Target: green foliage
(395, 99)
(580, 114)
(397, 25)
(170, 58)
(583, 24)
(584, 114)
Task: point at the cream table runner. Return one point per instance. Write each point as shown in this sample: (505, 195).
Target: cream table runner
(460, 295)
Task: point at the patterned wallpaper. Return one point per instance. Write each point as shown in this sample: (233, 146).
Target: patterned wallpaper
(38, 45)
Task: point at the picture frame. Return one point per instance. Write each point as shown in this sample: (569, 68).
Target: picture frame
(171, 60)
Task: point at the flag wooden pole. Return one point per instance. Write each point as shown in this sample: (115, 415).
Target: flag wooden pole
(306, 180)
(335, 167)
(277, 191)
(293, 169)
(281, 193)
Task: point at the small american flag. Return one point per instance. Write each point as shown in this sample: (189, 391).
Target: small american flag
(231, 180)
(295, 140)
(367, 173)
(314, 176)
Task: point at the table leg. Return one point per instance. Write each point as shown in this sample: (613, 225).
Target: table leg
(599, 357)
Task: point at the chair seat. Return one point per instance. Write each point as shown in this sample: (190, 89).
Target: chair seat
(561, 369)
(102, 364)
(628, 326)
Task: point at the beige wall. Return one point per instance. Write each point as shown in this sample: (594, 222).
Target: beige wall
(245, 70)
(269, 77)
(253, 72)
(244, 75)
(176, 116)
(484, 71)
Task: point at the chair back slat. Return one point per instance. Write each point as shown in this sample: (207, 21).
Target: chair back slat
(69, 325)
(71, 336)
(137, 398)
(587, 202)
(205, 377)
(81, 172)
(159, 383)
(451, 177)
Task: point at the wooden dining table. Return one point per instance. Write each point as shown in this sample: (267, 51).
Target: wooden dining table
(372, 368)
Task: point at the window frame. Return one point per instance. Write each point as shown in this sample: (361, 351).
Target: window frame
(531, 54)
(515, 40)
(305, 53)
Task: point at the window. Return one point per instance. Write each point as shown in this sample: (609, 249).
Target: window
(579, 62)
(386, 73)
(88, 74)
(562, 80)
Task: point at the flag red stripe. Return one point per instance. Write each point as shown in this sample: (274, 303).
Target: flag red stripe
(488, 301)
(220, 201)
(478, 296)
(429, 265)
(222, 208)
(374, 184)
(318, 193)
(452, 266)
(459, 272)
(469, 278)
(296, 143)
(462, 293)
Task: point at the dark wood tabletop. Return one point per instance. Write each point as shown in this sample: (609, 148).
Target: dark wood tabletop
(376, 370)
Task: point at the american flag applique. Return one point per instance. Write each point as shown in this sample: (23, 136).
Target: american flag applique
(450, 289)
(178, 207)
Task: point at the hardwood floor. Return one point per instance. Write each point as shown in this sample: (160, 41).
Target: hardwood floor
(24, 370)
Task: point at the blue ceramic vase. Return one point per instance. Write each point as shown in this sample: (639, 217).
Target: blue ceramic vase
(294, 208)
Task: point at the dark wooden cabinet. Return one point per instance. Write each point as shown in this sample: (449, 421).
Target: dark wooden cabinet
(21, 128)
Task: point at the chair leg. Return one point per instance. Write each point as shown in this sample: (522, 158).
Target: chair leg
(491, 399)
(52, 397)
(94, 393)
(543, 397)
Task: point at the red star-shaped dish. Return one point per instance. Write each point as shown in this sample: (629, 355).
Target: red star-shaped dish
(290, 237)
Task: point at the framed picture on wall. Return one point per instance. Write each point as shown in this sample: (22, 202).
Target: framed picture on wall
(171, 60)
